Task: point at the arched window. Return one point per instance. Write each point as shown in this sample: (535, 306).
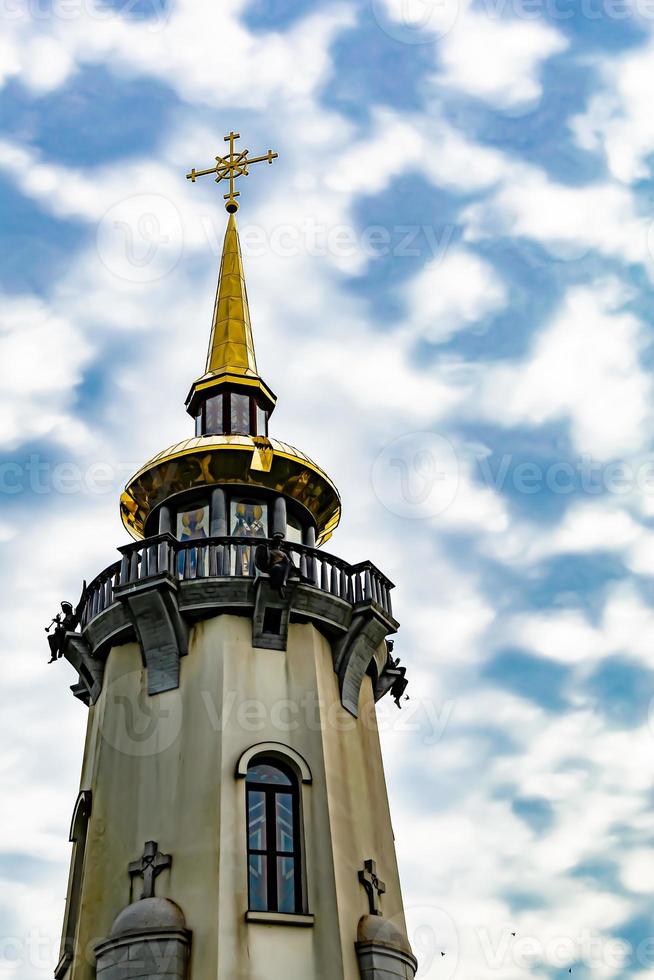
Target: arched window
(274, 848)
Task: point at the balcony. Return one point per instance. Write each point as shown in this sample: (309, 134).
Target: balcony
(160, 587)
(229, 557)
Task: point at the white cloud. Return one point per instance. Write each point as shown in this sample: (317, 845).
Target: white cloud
(618, 120)
(425, 143)
(591, 528)
(637, 870)
(565, 636)
(584, 366)
(497, 60)
(585, 527)
(568, 636)
(568, 221)
(253, 68)
(566, 763)
(453, 293)
(47, 64)
(493, 58)
(42, 356)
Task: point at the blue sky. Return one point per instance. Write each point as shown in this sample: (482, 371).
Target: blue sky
(450, 271)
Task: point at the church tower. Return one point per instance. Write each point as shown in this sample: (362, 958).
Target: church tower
(232, 821)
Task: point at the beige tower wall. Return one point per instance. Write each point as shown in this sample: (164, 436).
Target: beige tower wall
(163, 769)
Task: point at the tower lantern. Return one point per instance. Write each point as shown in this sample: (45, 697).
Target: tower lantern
(232, 820)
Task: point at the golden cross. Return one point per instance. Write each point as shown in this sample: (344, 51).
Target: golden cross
(230, 167)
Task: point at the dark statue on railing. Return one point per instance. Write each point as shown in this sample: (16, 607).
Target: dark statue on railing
(393, 669)
(64, 622)
(275, 562)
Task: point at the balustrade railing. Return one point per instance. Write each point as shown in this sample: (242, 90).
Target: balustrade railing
(229, 557)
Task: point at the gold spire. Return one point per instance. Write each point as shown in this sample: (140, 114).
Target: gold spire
(231, 347)
(231, 358)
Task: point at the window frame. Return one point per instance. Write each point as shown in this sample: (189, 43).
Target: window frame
(78, 837)
(257, 415)
(271, 853)
(220, 429)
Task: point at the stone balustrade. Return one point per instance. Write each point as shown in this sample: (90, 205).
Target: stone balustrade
(230, 557)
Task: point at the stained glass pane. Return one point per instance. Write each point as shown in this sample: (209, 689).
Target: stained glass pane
(256, 820)
(284, 821)
(193, 523)
(258, 883)
(264, 773)
(240, 407)
(249, 519)
(286, 884)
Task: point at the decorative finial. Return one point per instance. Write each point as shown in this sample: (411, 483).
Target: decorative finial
(373, 885)
(230, 167)
(149, 866)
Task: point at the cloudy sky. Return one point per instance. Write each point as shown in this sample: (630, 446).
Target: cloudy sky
(450, 270)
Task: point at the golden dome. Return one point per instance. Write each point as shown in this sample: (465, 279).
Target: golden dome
(206, 461)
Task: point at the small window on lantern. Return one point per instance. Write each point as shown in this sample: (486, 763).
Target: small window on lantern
(262, 420)
(293, 530)
(213, 415)
(240, 413)
(249, 519)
